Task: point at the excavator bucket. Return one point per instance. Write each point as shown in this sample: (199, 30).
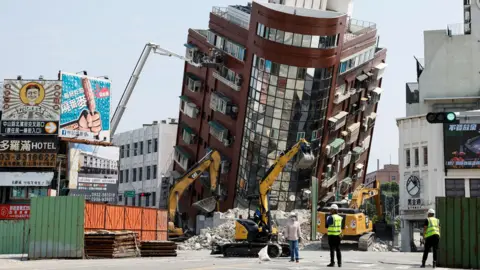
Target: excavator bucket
(306, 159)
(207, 205)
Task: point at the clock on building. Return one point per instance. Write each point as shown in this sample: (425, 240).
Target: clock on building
(413, 184)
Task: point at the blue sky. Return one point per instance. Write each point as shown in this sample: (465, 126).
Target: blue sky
(105, 37)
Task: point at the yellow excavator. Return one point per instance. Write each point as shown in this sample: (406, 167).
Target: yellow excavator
(253, 234)
(356, 226)
(177, 231)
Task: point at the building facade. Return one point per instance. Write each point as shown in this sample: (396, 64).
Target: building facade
(437, 160)
(274, 73)
(145, 155)
(388, 174)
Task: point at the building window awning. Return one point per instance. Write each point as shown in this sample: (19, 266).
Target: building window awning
(353, 127)
(185, 98)
(189, 46)
(381, 66)
(378, 91)
(337, 143)
(182, 151)
(358, 150)
(216, 125)
(362, 77)
(193, 76)
(340, 115)
(347, 181)
(188, 129)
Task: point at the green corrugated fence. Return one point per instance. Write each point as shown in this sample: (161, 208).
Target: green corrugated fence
(460, 232)
(14, 236)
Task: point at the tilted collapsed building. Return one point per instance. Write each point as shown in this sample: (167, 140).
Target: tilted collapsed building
(274, 73)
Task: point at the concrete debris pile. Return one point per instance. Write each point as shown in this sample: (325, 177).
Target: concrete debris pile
(221, 234)
(381, 246)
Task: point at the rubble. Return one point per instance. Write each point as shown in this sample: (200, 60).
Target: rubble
(225, 233)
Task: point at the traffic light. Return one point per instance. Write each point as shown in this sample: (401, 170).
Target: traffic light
(145, 194)
(441, 117)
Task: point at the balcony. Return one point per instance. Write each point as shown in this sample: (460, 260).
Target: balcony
(335, 147)
(221, 103)
(341, 94)
(181, 157)
(229, 78)
(233, 15)
(357, 28)
(337, 121)
(193, 82)
(220, 133)
(188, 135)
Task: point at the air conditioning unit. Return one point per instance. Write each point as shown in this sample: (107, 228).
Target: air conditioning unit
(227, 142)
(238, 79)
(328, 150)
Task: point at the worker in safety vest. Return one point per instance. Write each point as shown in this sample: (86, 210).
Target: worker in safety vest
(431, 233)
(334, 225)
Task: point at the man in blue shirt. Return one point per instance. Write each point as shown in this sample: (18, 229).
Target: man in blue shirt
(334, 226)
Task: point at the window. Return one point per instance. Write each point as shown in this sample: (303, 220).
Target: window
(120, 177)
(155, 145)
(147, 201)
(181, 159)
(154, 198)
(149, 146)
(122, 151)
(454, 187)
(128, 150)
(188, 108)
(154, 172)
(140, 174)
(135, 149)
(133, 201)
(24, 193)
(148, 172)
(194, 84)
(394, 178)
(126, 175)
(425, 156)
(219, 133)
(314, 135)
(134, 175)
(474, 188)
(125, 202)
(218, 103)
(417, 157)
(141, 148)
(407, 158)
(120, 198)
(300, 135)
(211, 37)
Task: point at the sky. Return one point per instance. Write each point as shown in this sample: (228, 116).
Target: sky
(106, 37)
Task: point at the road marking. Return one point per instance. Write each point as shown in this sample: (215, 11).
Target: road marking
(366, 265)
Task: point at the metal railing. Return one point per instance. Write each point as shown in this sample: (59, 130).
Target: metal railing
(222, 12)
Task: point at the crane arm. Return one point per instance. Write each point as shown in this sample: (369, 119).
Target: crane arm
(212, 160)
(132, 82)
(271, 175)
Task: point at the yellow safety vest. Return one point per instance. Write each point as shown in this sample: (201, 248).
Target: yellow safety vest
(433, 227)
(336, 227)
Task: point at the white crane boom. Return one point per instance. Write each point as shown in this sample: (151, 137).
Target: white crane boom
(122, 104)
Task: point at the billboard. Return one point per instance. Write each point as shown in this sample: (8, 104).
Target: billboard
(462, 146)
(85, 108)
(33, 100)
(28, 151)
(12, 211)
(12, 127)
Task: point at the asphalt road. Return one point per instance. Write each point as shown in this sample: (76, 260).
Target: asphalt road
(201, 260)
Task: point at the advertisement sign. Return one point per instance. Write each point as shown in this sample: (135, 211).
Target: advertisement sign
(22, 127)
(26, 179)
(31, 100)
(10, 211)
(462, 146)
(29, 151)
(96, 192)
(85, 108)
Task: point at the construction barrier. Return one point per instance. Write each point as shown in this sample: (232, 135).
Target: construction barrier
(460, 232)
(13, 236)
(149, 223)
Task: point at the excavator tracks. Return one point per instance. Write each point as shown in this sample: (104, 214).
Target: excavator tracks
(246, 250)
(366, 241)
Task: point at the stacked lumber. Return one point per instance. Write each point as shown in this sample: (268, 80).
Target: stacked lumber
(109, 244)
(158, 249)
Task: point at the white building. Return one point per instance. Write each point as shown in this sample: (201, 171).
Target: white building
(145, 155)
(447, 80)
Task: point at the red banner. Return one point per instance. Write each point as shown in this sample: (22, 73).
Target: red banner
(11, 211)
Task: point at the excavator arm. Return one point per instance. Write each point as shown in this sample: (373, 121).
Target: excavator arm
(305, 161)
(211, 161)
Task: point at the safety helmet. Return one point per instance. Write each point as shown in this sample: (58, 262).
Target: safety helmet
(431, 211)
(334, 207)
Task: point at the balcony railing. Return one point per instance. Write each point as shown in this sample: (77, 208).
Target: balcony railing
(234, 83)
(357, 28)
(223, 13)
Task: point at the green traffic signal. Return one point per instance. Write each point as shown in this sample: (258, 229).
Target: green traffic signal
(451, 117)
(441, 117)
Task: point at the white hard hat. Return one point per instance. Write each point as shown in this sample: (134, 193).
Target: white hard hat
(431, 211)
(334, 207)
